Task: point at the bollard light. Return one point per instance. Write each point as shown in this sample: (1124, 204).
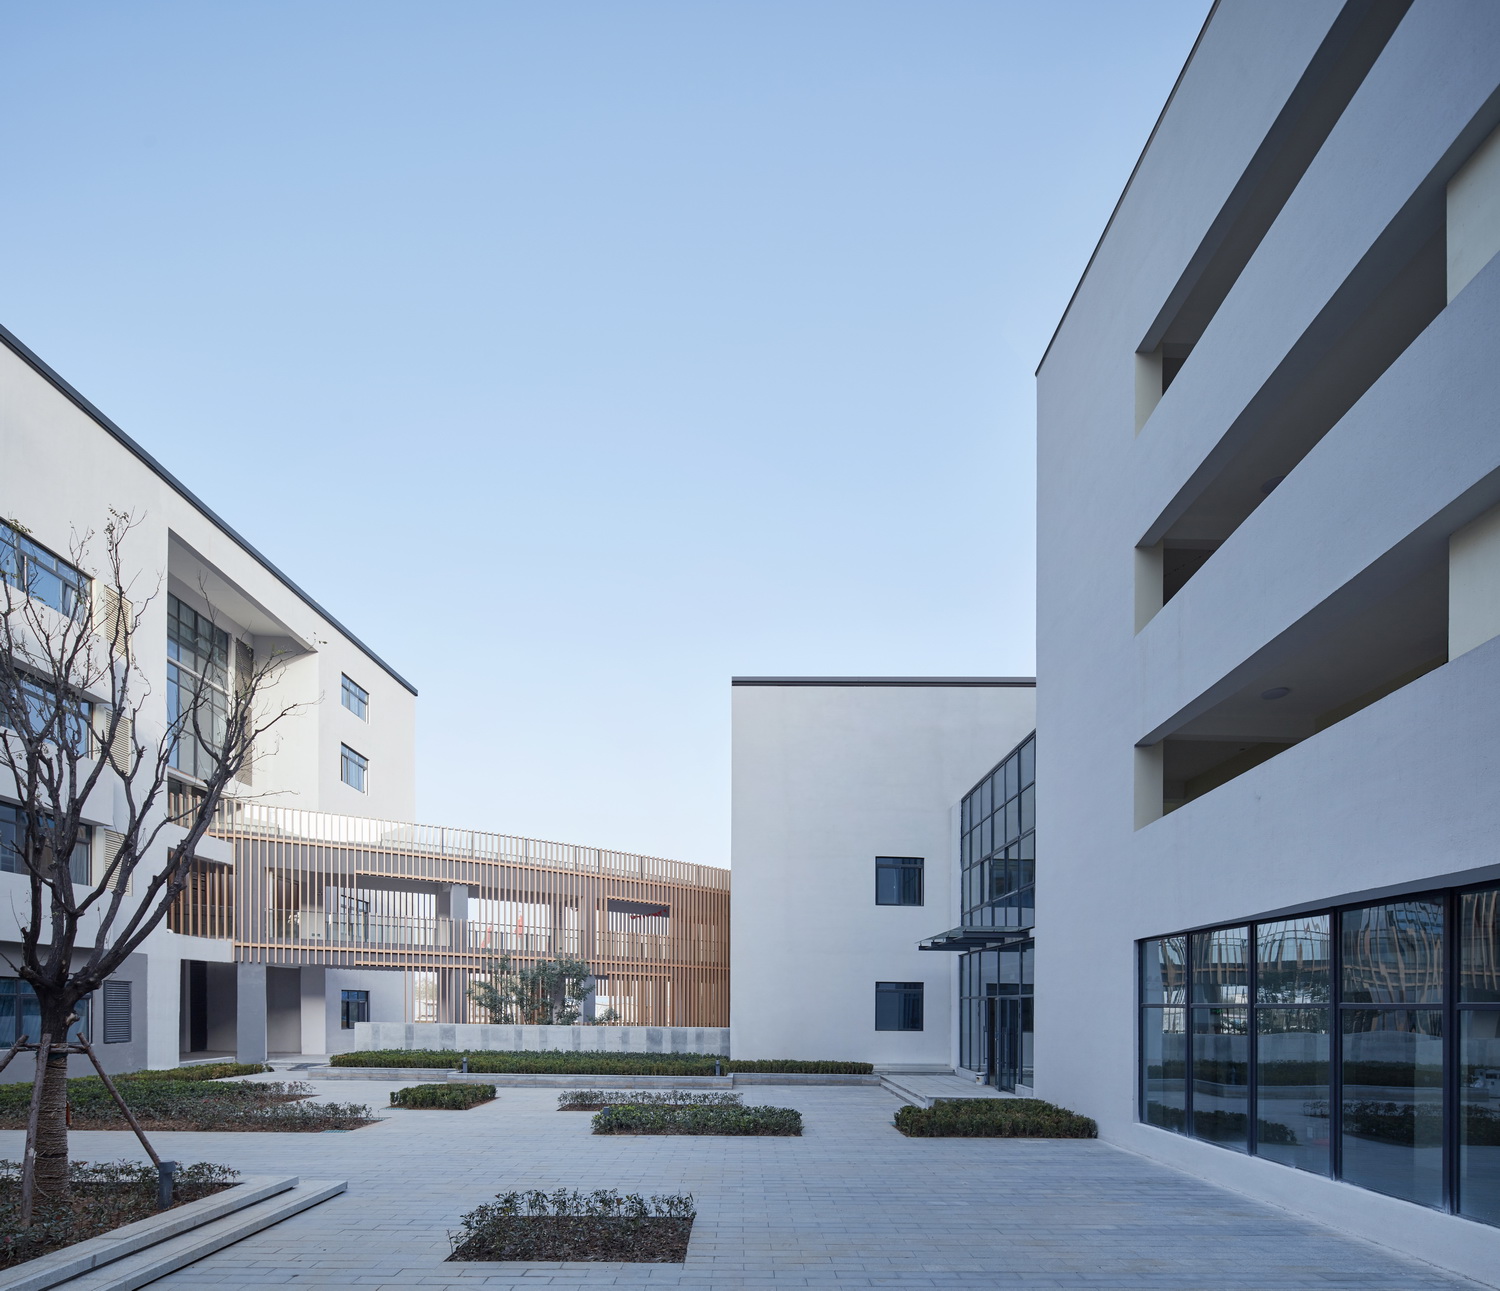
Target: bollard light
(166, 1171)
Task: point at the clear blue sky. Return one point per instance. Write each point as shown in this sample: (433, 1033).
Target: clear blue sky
(580, 356)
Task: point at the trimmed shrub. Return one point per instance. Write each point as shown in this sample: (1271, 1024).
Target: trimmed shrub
(591, 1100)
(450, 1098)
(569, 1062)
(176, 1104)
(814, 1067)
(998, 1118)
(106, 1195)
(199, 1071)
(635, 1119)
(539, 1226)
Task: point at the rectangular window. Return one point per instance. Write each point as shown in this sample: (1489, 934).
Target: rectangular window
(197, 688)
(13, 846)
(68, 723)
(898, 1006)
(353, 767)
(356, 699)
(354, 1006)
(116, 1012)
(41, 575)
(898, 880)
(21, 1015)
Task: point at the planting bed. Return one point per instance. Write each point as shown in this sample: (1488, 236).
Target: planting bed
(680, 1119)
(592, 1100)
(572, 1062)
(999, 1118)
(563, 1225)
(448, 1098)
(191, 1098)
(105, 1196)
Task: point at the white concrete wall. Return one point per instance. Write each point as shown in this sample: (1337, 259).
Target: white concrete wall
(1399, 795)
(522, 1039)
(1473, 215)
(1474, 584)
(62, 472)
(825, 779)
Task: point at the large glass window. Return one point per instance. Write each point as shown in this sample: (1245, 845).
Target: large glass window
(1333, 1041)
(898, 880)
(70, 722)
(898, 1006)
(13, 843)
(354, 1006)
(37, 572)
(197, 688)
(21, 1014)
(998, 850)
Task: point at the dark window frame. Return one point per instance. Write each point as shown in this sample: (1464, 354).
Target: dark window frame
(910, 876)
(906, 999)
(354, 1006)
(1449, 1006)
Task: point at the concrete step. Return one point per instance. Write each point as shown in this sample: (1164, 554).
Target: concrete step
(925, 1090)
(178, 1252)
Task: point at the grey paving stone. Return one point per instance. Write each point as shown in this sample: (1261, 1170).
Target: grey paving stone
(850, 1205)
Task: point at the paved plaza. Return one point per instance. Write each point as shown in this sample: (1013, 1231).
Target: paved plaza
(851, 1204)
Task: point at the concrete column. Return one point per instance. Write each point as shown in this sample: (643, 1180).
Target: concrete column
(314, 1009)
(250, 1013)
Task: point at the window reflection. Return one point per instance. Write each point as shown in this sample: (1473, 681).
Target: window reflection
(1479, 946)
(1221, 1076)
(1292, 1074)
(1392, 1102)
(1164, 1068)
(1164, 972)
(1393, 953)
(1293, 961)
(1221, 966)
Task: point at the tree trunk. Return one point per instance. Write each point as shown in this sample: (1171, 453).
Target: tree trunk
(52, 1127)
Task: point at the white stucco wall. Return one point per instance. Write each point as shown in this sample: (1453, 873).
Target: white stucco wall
(62, 473)
(1398, 796)
(825, 779)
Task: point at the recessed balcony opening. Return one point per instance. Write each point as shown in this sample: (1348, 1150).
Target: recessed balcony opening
(1329, 376)
(1309, 686)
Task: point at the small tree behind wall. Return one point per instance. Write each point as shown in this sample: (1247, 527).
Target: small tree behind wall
(74, 745)
(549, 993)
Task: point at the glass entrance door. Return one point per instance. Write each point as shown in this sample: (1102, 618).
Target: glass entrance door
(1003, 1035)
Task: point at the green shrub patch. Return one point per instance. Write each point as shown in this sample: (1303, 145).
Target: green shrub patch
(994, 1118)
(543, 1227)
(632, 1118)
(105, 1195)
(571, 1062)
(591, 1100)
(451, 1098)
(171, 1102)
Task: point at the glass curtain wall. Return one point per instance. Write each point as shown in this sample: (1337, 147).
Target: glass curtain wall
(1361, 1043)
(998, 861)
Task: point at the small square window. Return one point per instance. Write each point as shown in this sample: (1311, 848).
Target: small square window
(353, 767)
(354, 1006)
(898, 1006)
(355, 698)
(898, 880)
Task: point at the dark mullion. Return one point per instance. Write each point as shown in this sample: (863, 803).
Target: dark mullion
(1189, 946)
(1252, 1045)
(1451, 1122)
(1336, 1044)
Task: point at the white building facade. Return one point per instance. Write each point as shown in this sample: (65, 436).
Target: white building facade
(848, 826)
(1268, 604)
(207, 595)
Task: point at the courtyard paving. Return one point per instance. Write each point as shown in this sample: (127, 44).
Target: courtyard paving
(851, 1204)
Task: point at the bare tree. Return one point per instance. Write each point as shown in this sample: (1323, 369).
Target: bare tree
(71, 736)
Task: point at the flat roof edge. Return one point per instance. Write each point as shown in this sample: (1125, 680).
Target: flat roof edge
(53, 378)
(883, 681)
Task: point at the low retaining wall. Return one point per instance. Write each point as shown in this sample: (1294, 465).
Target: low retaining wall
(474, 1036)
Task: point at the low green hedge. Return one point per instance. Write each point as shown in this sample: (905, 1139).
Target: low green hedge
(200, 1071)
(590, 1100)
(994, 1118)
(636, 1119)
(452, 1098)
(568, 1062)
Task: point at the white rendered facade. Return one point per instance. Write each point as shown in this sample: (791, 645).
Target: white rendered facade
(1269, 589)
(65, 466)
(830, 774)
